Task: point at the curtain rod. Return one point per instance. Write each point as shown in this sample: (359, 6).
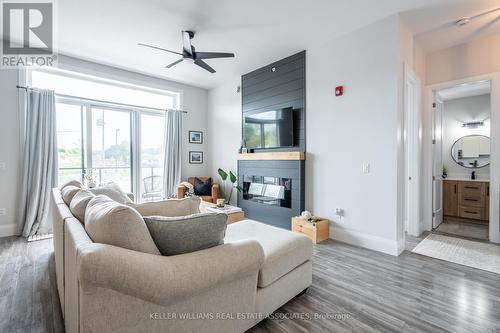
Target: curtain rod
(107, 102)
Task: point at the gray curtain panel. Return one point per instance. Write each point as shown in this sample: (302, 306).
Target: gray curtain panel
(173, 153)
(39, 170)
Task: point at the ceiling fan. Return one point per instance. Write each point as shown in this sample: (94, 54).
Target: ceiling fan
(190, 54)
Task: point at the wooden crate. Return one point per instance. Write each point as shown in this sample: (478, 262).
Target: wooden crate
(317, 232)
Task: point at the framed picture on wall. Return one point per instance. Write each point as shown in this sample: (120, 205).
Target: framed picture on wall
(196, 137)
(196, 157)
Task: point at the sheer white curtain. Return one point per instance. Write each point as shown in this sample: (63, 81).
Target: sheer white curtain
(39, 169)
(173, 153)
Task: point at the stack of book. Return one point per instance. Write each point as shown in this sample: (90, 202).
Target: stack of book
(226, 209)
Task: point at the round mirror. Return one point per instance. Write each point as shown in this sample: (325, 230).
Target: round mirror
(471, 151)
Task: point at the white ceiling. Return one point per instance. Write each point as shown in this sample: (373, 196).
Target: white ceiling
(258, 31)
(435, 27)
(466, 90)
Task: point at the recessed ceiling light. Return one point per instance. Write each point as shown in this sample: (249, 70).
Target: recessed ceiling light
(463, 21)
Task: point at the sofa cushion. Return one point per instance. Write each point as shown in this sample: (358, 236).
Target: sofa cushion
(202, 187)
(76, 183)
(283, 249)
(79, 203)
(170, 207)
(177, 235)
(109, 222)
(112, 191)
(68, 192)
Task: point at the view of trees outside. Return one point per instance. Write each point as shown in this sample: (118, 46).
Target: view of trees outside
(111, 148)
(152, 148)
(69, 140)
(253, 135)
(110, 130)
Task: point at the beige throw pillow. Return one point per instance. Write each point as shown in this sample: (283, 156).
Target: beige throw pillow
(78, 205)
(68, 192)
(108, 222)
(112, 191)
(170, 207)
(72, 182)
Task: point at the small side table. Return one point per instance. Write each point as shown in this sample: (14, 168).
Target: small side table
(317, 231)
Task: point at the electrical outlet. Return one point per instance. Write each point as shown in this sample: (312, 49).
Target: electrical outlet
(366, 167)
(2, 166)
(339, 212)
(3, 211)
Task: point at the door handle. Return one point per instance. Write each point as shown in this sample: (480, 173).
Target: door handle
(455, 188)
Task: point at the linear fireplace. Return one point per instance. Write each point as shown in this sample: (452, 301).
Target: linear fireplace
(273, 190)
(267, 190)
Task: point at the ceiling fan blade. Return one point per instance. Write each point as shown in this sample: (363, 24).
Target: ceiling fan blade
(158, 48)
(204, 65)
(186, 42)
(211, 55)
(174, 63)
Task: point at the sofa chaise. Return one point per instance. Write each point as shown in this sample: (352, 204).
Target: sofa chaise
(226, 288)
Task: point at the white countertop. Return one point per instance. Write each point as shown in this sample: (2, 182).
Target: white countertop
(467, 180)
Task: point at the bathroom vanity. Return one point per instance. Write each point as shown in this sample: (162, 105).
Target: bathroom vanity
(466, 199)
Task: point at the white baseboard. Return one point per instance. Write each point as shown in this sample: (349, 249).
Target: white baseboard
(8, 230)
(371, 242)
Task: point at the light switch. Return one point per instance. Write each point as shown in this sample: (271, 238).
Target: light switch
(3, 211)
(366, 167)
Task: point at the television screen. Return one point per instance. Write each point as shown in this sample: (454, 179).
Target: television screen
(269, 129)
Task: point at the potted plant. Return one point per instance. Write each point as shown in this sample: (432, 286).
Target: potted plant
(233, 180)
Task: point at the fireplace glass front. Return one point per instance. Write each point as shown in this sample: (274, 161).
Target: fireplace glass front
(268, 190)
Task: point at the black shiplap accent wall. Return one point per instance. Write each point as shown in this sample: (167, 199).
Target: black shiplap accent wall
(264, 90)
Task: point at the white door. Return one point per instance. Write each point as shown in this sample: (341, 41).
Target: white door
(412, 153)
(437, 170)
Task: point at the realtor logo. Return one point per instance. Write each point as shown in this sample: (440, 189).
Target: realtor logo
(28, 34)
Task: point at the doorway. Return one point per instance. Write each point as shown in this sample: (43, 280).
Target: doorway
(461, 155)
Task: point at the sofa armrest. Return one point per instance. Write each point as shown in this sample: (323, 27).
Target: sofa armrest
(165, 280)
(215, 192)
(181, 191)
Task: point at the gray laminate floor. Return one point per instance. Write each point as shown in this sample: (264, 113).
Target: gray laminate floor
(354, 290)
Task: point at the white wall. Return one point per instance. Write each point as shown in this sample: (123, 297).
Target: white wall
(360, 127)
(342, 133)
(224, 126)
(456, 112)
(194, 101)
(478, 57)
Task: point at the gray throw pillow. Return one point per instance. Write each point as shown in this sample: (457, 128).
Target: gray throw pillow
(177, 235)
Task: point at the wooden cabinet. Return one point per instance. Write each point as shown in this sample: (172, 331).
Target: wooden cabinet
(450, 198)
(466, 199)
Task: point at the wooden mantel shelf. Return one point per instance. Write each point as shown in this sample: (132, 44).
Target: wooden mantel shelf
(274, 156)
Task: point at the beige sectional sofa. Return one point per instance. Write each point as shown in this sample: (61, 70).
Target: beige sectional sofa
(227, 288)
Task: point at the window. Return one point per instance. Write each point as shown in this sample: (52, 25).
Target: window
(111, 128)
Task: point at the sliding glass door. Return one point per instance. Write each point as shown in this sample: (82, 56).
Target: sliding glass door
(70, 139)
(110, 155)
(151, 152)
(119, 145)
